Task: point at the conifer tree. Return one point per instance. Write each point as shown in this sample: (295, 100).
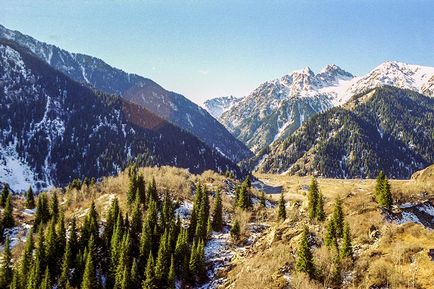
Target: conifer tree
(61, 236)
(111, 219)
(281, 214)
(46, 282)
(235, 230)
(54, 207)
(161, 269)
(244, 199)
(42, 214)
(217, 213)
(89, 276)
(30, 199)
(15, 284)
(331, 238)
(263, 199)
(141, 189)
(51, 248)
(319, 212)
(338, 218)
(27, 258)
(136, 224)
(193, 259)
(8, 217)
(4, 195)
(379, 184)
(6, 266)
(34, 279)
(346, 249)
(150, 282)
(313, 198)
(132, 189)
(304, 261)
(66, 265)
(200, 261)
(171, 277)
(145, 243)
(383, 194)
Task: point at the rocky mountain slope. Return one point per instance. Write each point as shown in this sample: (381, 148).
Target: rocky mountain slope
(169, 105)
(53, 129)
(217, 106)
(277, 108)
(386, 129)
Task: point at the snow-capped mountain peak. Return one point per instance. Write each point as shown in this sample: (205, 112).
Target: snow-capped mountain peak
(217, 106)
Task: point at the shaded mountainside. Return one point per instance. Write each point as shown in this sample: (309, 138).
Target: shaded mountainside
(53, 129)
(169, 105)
(387, 128)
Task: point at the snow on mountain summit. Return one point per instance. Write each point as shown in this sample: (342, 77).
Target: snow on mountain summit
(276, 108)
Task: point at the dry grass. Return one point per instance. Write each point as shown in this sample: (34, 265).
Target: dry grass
(398, 258)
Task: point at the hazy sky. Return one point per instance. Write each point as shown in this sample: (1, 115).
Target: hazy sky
(205, 49)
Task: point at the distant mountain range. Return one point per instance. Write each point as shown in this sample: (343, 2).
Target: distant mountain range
(277, 108)
(387, 128)
(54, 129)
(217, 106)
(168, 105)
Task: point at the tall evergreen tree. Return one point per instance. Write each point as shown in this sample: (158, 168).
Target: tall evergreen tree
(8, 216)
(46, 281)
(26, 259)
(54, 207)
(171, 277)
(383, 194)
(30, 199)
(338, 217)
(262, 200)
(42, 214)
(313, 198)
(281, 214)
(331, 237)
(304, 261)
(319, 211)
(217, 213)
(4, 195)
(244, 198)
(347, 248)
(150, 281)
(161, 269)
(6, 266)
(89, 276)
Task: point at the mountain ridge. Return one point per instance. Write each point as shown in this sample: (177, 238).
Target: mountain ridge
(145, 92)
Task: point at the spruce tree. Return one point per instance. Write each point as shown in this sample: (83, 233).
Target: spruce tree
(171, 278)
(281, 214)
(313, 198)
(200, 261)
(338, 218)
(217, 213)
(6, 266)
(8, 217)
(319, 211)
(304, 261)
(66, 266)
(262, 200)
(330, 237)
(134, 276)
(89, 276)
(4, 195)
(27, 258)
(161, 269)
(54, 207)
(46, 281)
(30, 199)
(384, 195)
(150, 282)
(346, 249)
(235, 230)
(192, 265)
(379, 184)
(244, 198)
(42, 214)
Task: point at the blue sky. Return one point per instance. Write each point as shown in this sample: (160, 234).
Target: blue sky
(205, 49)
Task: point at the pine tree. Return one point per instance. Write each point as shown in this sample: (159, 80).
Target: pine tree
(235, 230)
(313, 198)
(244, 199)
(319, 211)
(134, 276)
(27, 258)
(200, 261)
(46, 284)
(379, 184)
(8, 217)
(162, 261)
(15, 284)
(171, 277)
(281, 214)
(111, 219)
(150, 282)
(192, 265)
(331, 238)
(136, 224)
(54, 207)
(66, 266)
(51, 248)
(34, 279)
(217, 213)
(263, 199)
(338, 218)
(383, 194)
(346, 249)
(132, 189)
(304, 261)
(42, 212)
(89, 276)
(30, 199)
(4, 195)
(6, 266)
